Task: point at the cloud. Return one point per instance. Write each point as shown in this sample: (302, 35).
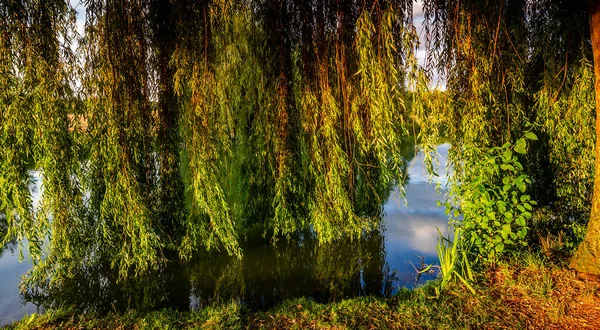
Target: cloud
(79, 7)
(417, 10)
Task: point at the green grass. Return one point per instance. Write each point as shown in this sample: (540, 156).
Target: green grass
(527, 292)
(215, 317)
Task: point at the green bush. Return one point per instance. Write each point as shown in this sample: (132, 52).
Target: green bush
(488, 189)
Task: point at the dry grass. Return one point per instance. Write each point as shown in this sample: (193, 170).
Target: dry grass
(547, 296)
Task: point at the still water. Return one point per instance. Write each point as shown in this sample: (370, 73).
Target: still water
(375, 265)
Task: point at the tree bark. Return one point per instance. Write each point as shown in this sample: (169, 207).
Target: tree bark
(587, 257)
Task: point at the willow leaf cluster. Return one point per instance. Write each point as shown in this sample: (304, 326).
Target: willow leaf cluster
(514, 66)
(170, 127)
(37, 74)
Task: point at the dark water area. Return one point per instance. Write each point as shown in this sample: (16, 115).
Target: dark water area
(377, 264)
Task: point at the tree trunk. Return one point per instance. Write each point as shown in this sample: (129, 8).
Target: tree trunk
(587, 257)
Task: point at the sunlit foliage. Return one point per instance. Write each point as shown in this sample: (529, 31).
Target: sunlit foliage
(173, 126)
(513, 66)
(180, 125)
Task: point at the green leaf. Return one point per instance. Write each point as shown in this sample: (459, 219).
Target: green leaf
(501, 206)
(531, 136)
(521, 186)
(500, 247)
(521, 146)
(506, 229)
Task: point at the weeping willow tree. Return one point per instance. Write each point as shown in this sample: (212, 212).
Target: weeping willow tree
(517, 66)
(170, 127)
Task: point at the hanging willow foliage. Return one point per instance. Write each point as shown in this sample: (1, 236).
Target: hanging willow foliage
(120, 160)
(37, 75)
(360, 128)
(513, 66)
(205, 79)
(176, 126)
(563, 87)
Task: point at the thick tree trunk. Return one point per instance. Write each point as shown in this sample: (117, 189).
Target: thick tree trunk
(587, 258)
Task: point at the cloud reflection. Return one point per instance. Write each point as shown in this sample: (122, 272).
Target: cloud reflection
(410, 224)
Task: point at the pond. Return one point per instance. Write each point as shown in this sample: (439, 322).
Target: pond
(377, 264)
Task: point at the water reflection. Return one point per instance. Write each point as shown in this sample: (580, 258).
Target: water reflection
(12, 307)
(411, 226)
(264, 277)
(376, 264)
(296, 268)
(96, 289)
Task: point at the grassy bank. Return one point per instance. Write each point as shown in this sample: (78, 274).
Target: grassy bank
(528, 292)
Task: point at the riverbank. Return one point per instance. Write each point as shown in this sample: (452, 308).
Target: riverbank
(527, 292)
